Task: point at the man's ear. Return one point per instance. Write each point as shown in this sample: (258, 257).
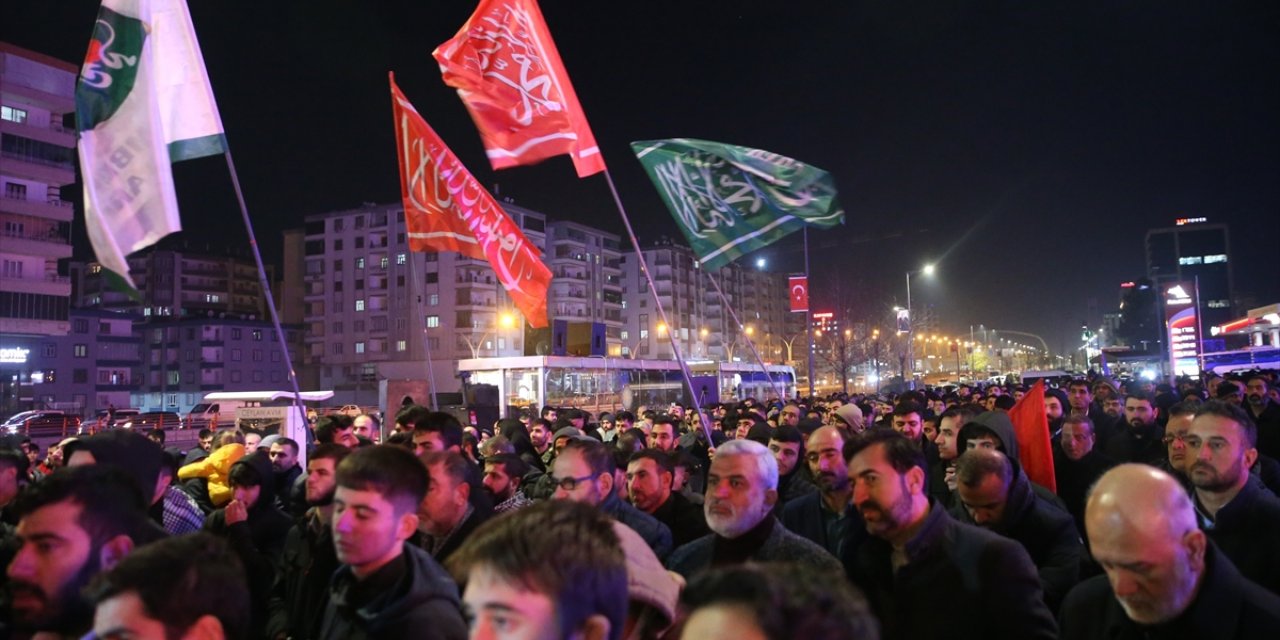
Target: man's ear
(915, 479)
(595, 627)
(771, 497)
(207, 627)
(465, 488)
(113, 551)
(605, 480)
(408, 526)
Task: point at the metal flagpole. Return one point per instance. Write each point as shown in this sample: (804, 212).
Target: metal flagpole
(782, 395)
(675, 342)
(426, 347)
(808, 313)
(271, 303)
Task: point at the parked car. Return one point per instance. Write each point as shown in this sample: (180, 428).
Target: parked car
(154, 420)
(122, 416)
(12, 422)
(48, 424)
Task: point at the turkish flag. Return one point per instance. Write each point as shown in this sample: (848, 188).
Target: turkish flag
(445, 209)
(1031, 428)
(799, 293)
(507, 71)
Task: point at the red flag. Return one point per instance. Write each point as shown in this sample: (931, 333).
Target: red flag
(445, 209)
(799, 293)
(507, 71)
(1031, 428)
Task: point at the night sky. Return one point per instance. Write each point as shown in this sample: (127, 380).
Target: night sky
(1026, 146)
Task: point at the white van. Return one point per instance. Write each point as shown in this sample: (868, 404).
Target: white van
(220, 408)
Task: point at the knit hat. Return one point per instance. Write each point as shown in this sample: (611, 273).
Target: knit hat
(647, 581)
(852, 416)
(565, 432)
(268, 441)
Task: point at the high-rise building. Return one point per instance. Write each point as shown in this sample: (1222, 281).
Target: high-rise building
(1195, 251)
(37, 95)
(703, 327)
(177, 284)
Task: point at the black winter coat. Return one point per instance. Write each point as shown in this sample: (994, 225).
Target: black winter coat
(301, 589)
(1246, 531)
(422, 605)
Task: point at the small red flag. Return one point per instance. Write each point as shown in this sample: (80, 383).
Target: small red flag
(799, 293)
(1031, 428)
(445, 209)
(507, 71)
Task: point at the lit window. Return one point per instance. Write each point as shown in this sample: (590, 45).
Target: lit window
(433, 299)
(1186, 260)
(359, 263)
(402, 345)
(212, 297)
(401, 258)
(1220, 257)
(13, 114)
(359, 347)
(81, 351)
(360, 304)
(433, 322)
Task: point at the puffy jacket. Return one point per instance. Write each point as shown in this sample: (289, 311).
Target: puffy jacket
(422, 605)
(215, 469)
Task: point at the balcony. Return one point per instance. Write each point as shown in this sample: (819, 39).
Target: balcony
(53, 209)
(46, 244)
(55, 172)
(46, 284)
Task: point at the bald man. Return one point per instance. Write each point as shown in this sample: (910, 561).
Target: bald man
(1163, 575)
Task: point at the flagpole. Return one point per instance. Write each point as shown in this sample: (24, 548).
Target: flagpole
(266, 290)
(675, 342)
(782, 395)
(421, 321)
(808, 312)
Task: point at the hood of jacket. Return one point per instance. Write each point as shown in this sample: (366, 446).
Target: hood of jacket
(996, 421)
(129, 451)
(261, 463)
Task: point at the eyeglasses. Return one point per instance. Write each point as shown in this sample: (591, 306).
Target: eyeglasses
(1170, 437)
(569, 484)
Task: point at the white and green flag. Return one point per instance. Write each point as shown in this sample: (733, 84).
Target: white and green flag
(143, 102)
(731, 200)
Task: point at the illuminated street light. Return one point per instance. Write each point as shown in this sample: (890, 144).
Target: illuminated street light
(507, 320)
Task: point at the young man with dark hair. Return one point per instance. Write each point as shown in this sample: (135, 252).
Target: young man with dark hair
(826, 518)
(1265, 413)
(301, 589)
(254, 527)
(409, 416)
(1232, 506)
(786, 443)
(665, 434)
(437, 431)
(385, 588)
(921, 570)
(76, 522)
(337, 428)
(503, 475)
(584, 472)
(13, 476)
(1140, 439)
(650, 482)
(189, 587)
(446, 516)
(287, 475)
(555, 569)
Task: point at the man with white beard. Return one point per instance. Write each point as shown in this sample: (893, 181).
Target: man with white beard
(742, 487)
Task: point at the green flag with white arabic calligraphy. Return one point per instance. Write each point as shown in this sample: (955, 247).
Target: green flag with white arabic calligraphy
(731, 200)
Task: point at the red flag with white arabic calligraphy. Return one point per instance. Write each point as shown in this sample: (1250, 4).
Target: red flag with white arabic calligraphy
(799, 293)
(445, 209)
(507, 71)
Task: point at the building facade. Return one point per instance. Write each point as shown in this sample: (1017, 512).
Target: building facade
(37, 146)
(176, 284)
(1199, 252)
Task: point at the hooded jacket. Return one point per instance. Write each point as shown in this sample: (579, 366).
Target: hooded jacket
(259, 540)
(1047, 532)
(422, 604)
(999, 423)
(214, 469)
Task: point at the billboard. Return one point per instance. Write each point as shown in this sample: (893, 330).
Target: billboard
(1180, 309)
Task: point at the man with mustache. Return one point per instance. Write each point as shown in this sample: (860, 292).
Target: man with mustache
(742, 487)
(74, 524)
(1140, 439)
(1232, 506)
(924, 573)
(826, 517)
(1163, 578)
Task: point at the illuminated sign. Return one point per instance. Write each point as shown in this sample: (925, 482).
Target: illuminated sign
(1184, 339)
(904, 321)
(14, 355)
(1184, 221)
(1127, 285)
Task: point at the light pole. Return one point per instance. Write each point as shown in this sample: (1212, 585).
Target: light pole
(928, 271)
(875, 340)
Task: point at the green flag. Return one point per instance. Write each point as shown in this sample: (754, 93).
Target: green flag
(732, 200)
(143, 102)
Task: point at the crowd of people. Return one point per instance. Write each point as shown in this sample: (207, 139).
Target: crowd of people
(850, 516)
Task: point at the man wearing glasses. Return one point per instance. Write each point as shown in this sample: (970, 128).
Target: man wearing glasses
(583, 471)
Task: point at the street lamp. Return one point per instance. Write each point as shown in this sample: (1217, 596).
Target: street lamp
(928, 270)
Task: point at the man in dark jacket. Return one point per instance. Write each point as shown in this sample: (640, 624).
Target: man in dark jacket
(1080, 397)
(827, 517)
(386, 588)
(1266, 415)
(254, 527)
(301, 589)
(1141, 439)
(926, 575)
(650, 475)
(1164, 577)
(787, 446)
(446, 517)
(996, 495)
(583, 472)
(1077, 465)
(1237, 513)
